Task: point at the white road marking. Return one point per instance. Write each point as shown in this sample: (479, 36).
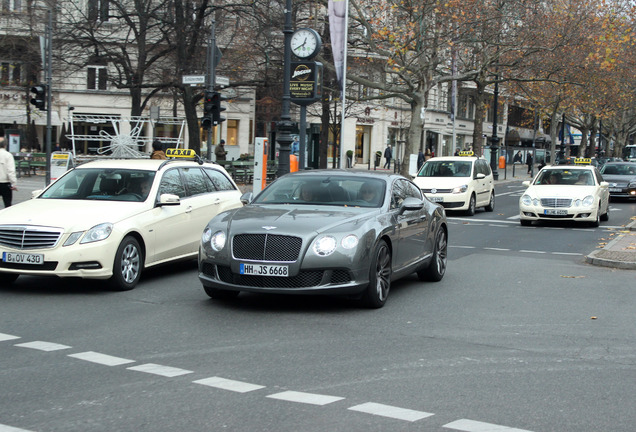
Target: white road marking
(532, 251)
(475, 426)
(462, 247)
(566, 253)
(156, 369)
(43, 346)
(517, 216)
(226, 384)
(510, 193)
(308, 398)
(481, 220)
(5, 428)
(104, 359)
(390, 411)
(497, 226)
(5, 337)
(496, 249)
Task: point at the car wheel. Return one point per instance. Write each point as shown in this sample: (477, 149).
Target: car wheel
(379, 277)
(437, 267)
(471, 206)
(525, 222)
(605, 216)
(597, 221)
(8, 278)
(491, 205)
(127, 266)
(220, 294)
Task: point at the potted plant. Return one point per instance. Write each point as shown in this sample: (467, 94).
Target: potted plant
(349, 158)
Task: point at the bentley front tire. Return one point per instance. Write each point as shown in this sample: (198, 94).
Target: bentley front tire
(437, 267)
(379, 277)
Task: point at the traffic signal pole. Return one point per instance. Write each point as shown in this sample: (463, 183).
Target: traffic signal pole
(49, 79)
(211, 80)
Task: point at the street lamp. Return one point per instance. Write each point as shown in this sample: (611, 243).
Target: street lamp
(285, 125)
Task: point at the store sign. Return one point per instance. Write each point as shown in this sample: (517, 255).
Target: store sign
(305, 84)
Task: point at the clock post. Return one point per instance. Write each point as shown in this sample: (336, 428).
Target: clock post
(285, 125)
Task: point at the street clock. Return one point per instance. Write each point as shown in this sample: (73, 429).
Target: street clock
(305, 43)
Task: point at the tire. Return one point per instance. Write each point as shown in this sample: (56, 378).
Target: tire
(7, 279)
(597, 222)
(491, 204)
(471, 206)
(379, 277)
(437, 267)
(127, 266)
(525, 222)
(220, 294)
(605, 216)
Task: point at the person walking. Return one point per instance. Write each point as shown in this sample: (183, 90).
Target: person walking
(219, 151)
(8, 178)
(388, 154)
(529, 162)
(157, 153)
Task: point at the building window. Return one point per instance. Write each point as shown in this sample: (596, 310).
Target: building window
(11, 73)
(232, 132)
(97, 10)
(11, 6)
(97, 76)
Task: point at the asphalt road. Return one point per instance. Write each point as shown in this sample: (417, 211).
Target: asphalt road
(521, 335)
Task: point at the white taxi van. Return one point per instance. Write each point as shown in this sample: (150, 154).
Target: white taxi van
(109, 219)
(567, 193)
(462, 182)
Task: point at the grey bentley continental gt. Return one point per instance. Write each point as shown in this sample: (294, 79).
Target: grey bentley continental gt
(325, 232)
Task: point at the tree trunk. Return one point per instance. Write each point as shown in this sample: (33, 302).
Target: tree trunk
(480, 116)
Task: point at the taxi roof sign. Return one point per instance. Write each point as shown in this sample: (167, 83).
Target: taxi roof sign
(466, 153)
(180, 153)
(583, 161)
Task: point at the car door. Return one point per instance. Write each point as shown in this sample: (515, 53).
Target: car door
(603, 191)
(483, 187)
(412, 226)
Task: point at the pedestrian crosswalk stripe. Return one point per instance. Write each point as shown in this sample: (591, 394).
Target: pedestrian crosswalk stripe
(227, 384)
(6, 337)
(156, 369)
(103, 359)
(476, 426)
(5, 428)
(390, 411)
(308, 398)
(43, 346)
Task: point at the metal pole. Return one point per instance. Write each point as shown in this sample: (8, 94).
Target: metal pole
(494, 140)
(285, 125)
(49, 99)
(302, 147)
(211, 78)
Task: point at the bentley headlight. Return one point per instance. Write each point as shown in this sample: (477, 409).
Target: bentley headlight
(217, 240)
(526, 200)
(588, 201)
(98, 233)
(325, 245)
(349, 242)
(460, 189)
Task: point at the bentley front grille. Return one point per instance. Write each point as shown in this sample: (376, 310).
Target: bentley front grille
(266, 247)
(29, 237)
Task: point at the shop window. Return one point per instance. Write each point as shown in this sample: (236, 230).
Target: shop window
(232, 132)
(98, 10)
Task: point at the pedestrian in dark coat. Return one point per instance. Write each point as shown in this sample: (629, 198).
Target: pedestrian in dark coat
(388, 154)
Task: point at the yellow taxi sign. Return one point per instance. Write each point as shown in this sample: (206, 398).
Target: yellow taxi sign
(466, 153)
(585, 161)
(184, 153)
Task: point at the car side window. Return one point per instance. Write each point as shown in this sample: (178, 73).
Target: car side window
(219, 180)
(403, 189)
(412, 190)
(599, 177)
(171, 184)
(196, 182)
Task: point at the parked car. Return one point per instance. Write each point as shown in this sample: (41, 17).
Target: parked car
(621, 177)
(110, 219)
(325, 232)
(575, 193)
(458, 183)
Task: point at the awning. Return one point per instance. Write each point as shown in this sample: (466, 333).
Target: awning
(9, 117)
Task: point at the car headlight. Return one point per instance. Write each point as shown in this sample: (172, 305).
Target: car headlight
(460, 189)
(97, 233)
(526, 200)
(349, 242)
(632, 184)
(207, 234)
(217, 240)
(73, 238)
(588, 201)
(325, 245)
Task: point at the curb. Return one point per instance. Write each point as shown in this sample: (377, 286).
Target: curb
(596, 257)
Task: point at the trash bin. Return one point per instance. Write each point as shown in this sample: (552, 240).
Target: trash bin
(293, 163)
(502, 162)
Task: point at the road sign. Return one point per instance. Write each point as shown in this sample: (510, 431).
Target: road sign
(193, 79)
(222, 81)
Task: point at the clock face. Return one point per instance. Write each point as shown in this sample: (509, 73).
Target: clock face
(305, 43)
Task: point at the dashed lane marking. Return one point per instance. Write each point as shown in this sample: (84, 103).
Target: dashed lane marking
(5, 428)
(226, 384)
(532, 251)
(156, 369)
(43, 346)
(476, 426)
(103, 359)
(307, 398)
(497, 249)
(390, 411)
(6, 337)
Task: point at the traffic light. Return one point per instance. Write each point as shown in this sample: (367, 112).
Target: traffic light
(208, 104)
(217, 108)
(206, 122)
(39, 96)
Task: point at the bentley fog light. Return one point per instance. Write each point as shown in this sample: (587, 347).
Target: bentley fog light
(97, 233)
(349, 242)
(217, 241)
(588, 201)
(325, 246)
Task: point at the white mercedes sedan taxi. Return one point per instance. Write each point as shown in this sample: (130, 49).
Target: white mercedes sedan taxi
(565, 192)
(110, 219)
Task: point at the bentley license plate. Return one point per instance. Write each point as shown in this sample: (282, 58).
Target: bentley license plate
(264, 270)
(555, 212)
(22, 258)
